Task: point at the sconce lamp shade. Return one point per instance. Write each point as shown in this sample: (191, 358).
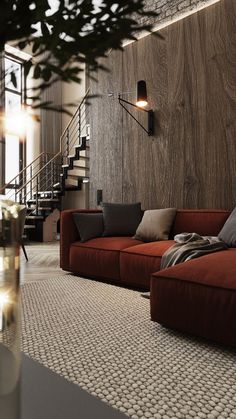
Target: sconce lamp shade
(140, 105)
(141, 94)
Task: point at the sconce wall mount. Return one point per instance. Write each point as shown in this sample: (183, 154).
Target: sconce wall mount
(140, 103)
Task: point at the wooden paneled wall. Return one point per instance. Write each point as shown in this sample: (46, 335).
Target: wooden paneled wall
(190, 162)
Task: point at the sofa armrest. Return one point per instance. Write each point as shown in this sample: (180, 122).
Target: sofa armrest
(68, 235)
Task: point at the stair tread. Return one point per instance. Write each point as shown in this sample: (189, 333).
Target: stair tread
(43, 200)
(74, 177)
(42, 208)
(79, 167)
(44, 192)
(79, 177)
(34, 217)
(82, 158)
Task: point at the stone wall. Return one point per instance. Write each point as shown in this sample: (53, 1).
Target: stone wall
(172, 9)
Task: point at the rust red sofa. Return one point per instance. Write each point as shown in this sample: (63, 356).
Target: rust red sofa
(198, 296)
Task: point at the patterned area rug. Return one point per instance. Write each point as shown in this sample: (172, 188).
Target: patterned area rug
(100, 336)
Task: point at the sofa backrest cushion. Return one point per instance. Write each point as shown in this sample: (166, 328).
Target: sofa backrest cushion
(89, 226)
(228, 232)
(121, 219)
(155, 225)
(206, 222)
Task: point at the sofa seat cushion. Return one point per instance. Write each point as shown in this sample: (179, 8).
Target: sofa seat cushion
(198, 297)
(99, 258)
(139, 262)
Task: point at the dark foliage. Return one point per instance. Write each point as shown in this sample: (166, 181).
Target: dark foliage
(74, 33)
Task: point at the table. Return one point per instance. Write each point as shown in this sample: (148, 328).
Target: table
(46, 395)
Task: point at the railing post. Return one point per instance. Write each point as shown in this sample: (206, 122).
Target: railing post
(31, 184)
(79, 123)
(15, 191)
(52, 177)
(25, 188)
(67, 142)
(37, 198)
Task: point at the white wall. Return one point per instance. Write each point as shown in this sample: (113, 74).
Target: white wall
(72, 92)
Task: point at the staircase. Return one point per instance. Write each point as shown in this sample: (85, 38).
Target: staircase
(42, 183)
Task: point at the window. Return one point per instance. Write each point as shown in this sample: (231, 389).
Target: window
(14, 132)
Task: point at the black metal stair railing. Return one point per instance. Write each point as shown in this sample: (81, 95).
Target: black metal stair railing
(77, 129)
(11, 189)
(41, 181)
(46, 175)
(41, 185)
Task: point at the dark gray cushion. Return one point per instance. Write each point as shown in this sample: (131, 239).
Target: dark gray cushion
(121, 219)
(228, 232)
(89, 226)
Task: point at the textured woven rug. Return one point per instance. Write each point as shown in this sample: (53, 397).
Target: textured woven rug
(100, 337)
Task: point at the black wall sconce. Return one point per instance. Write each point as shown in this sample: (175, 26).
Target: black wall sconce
(141, 102)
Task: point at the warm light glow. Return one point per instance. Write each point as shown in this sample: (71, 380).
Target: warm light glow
(141, 103)
(17, 122)
(4, 300)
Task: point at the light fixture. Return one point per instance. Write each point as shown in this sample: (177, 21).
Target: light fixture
(141, 94)
(141, 102)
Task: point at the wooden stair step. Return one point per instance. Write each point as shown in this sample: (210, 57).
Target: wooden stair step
(77, 174)
(44, 192)
(72, 182)
(34, 217)
(41, 208)
(82, 158)
(33, 201)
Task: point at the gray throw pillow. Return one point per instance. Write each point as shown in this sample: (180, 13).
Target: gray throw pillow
(155, 225)
(88, 225)
(121, 219)
(228, 232)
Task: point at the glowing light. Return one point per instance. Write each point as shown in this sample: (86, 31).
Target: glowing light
(17, 122)
(141, 103)
(4, 300)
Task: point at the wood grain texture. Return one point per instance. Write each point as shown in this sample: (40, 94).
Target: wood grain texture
(190, 162)
(106, 132)
(44, 262)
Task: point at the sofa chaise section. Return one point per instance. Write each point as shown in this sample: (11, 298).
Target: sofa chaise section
(198, 297)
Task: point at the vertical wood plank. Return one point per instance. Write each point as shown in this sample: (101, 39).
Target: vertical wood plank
(190, 162)
(106, 132)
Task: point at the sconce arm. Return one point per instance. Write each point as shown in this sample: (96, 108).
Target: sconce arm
(134, 117)
(132, 104)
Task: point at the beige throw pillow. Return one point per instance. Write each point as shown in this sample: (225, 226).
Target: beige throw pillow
(155, 225)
